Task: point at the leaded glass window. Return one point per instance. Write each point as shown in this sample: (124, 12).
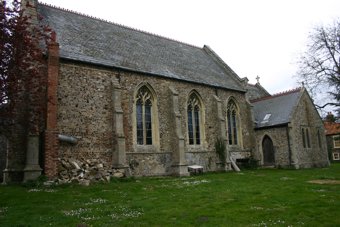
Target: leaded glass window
(232, 121)
(194, 120)
(144, 116)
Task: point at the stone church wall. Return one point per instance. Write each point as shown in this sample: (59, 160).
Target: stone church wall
(307, 116)
(280, 142)
(85, 112)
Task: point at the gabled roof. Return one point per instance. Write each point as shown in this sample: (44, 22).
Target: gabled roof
(332, 128)
(278, 108)
(91, 40)
(256, 91)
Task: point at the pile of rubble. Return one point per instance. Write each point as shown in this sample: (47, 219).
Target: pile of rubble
(87, 171)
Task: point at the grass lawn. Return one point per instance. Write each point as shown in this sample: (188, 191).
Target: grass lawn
(266, 197)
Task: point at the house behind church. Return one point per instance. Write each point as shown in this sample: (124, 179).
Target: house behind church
(149, 105)
(333, 138)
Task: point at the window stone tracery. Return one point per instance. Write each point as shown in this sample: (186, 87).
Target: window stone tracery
(194, 120)
(144, 116)
(233, 126)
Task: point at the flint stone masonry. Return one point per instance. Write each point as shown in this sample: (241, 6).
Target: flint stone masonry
(85, 111)
(287, 139)
(280, 141)
(149, 164)
(307, 116)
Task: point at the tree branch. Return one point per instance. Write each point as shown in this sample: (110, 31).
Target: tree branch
(327, 104)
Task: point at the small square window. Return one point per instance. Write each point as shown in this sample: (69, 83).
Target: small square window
(336, 156)
(336, 141)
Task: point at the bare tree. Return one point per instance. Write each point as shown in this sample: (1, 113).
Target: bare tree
(319, 66)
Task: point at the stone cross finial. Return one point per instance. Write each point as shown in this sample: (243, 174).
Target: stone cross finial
(258, 79)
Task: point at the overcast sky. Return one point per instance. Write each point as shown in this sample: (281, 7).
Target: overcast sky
(262, 37)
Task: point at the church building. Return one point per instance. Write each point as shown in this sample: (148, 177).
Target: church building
(147, 105)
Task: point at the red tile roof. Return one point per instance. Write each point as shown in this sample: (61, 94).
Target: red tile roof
(332, 128)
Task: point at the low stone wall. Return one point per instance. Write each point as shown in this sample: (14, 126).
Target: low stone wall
(149, 164)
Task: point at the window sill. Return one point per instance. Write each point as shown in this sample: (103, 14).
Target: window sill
(145, 148)
(147, 152)
(196, 148)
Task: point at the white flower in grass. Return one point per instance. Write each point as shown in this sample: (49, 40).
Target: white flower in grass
(125, 212)
(197, 182)
(34, 190)
(3, 210)
(41, 190)
(99, 200)
(77, 212)
(88, 218)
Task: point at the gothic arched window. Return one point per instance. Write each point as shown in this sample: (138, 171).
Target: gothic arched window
(194, 119)
(144, 101)
(305, 137)
(232, 123)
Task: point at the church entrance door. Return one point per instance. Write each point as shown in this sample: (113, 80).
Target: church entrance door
(268, 151)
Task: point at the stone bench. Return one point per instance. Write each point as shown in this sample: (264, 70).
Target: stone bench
(195, 169)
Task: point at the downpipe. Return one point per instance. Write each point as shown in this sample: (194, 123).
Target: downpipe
(68, 139)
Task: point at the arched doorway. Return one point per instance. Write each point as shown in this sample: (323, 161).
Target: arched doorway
(3, 155)
(268, 151)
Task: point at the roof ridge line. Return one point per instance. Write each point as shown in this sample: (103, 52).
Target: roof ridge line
(117, 24)
(219, 59)
(293, 90)
(261, 99)
(279, 94)
(208, 50)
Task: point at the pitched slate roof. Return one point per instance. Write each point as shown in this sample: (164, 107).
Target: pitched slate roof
(280, 106)
(86, 39)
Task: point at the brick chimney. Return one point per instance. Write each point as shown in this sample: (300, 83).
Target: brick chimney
(330, 117)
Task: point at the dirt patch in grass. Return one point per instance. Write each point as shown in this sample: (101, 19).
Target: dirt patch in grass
(324, 181)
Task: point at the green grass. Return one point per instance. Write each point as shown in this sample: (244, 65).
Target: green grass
(266, 197)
